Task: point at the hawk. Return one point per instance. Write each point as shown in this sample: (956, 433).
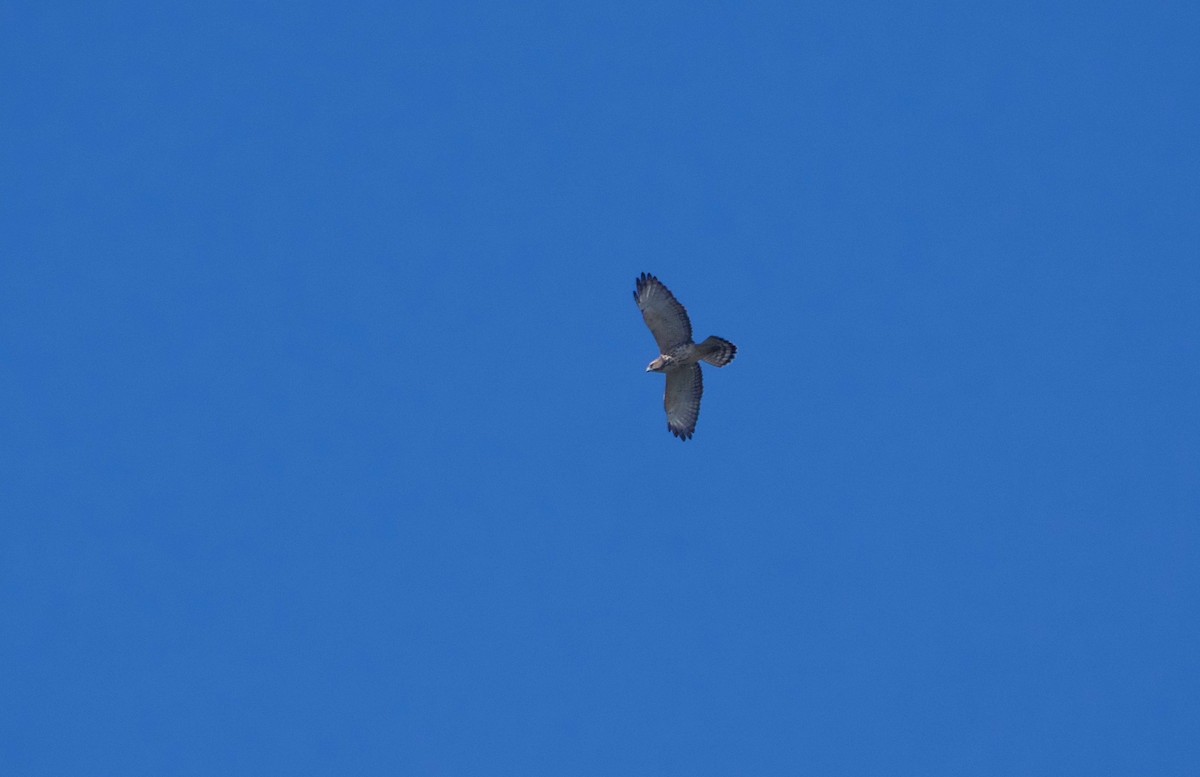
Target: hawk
(679, 357)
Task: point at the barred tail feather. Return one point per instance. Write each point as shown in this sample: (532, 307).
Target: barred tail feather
(717, 351)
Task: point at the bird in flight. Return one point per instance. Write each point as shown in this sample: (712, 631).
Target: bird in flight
(679, 357)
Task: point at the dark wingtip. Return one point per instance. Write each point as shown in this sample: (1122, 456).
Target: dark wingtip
(641, 282)
(682, 434)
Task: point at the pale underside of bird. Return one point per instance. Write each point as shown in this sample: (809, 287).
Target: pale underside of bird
(679, 358)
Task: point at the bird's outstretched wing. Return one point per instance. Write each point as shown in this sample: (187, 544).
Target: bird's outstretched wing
(685, 385)
(667, 319)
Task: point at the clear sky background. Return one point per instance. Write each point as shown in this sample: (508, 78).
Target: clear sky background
(326, 445)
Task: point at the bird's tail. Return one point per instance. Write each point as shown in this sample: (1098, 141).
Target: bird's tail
(716, 351)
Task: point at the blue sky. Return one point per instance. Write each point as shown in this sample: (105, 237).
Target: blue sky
(327, 446)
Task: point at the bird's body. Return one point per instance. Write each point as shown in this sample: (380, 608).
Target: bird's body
(714, 350)
(679, 357)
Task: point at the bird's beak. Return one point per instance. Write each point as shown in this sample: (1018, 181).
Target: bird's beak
(647, 369)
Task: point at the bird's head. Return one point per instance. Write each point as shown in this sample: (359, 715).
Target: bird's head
(658, 365)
